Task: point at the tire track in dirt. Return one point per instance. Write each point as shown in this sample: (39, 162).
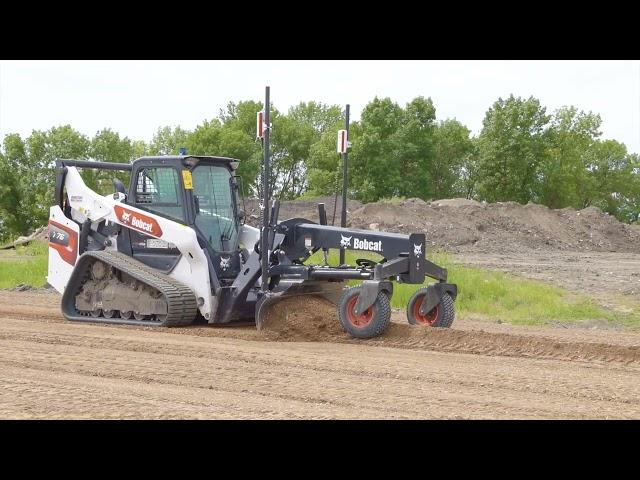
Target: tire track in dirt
(110, 347)
(318, 322)
(298, 380)
(303, 366)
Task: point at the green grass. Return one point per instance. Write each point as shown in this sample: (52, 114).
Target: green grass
(501, 296)
(26, 264)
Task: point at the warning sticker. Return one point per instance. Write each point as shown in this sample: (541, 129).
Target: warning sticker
(187, 179)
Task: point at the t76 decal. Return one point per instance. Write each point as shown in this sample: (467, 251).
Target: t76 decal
(64, 240)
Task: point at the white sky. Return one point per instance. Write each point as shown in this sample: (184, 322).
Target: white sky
(134, 98)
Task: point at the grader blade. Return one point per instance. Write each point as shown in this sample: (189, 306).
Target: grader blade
(331, 291)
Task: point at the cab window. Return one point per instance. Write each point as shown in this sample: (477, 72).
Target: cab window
(215, 207)
(158, 190)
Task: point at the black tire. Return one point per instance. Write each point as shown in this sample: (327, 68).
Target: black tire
(442, 315)
(372, 322)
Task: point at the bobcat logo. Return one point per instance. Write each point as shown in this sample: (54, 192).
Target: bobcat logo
(126, 216)
(224, 263)
(417, 249)
(345, 241)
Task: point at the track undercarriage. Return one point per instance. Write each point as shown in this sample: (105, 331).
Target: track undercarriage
(113, 288)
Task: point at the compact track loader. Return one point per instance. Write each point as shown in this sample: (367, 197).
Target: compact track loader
(173, 247)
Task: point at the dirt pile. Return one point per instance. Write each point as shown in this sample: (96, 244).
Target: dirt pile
(461, 225)
(303, 319)
(303, 209)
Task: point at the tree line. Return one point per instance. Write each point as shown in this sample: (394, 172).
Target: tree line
(523, 153)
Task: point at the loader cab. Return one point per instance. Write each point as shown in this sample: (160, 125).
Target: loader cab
(198, 191)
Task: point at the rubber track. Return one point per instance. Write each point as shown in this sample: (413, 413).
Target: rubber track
(181, 302)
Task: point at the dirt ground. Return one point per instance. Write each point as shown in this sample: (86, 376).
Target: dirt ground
(306, 367)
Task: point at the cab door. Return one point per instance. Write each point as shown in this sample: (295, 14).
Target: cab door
(158, 190)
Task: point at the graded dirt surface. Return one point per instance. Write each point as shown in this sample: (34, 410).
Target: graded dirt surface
(611, 278)
(303, 366)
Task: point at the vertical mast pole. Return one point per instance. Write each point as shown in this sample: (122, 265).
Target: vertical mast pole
(264, 245)
(345, 181)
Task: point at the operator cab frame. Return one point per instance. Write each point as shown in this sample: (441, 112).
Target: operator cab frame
(198, 191)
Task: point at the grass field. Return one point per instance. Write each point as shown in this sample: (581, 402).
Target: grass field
(25, 264)
(486, 293)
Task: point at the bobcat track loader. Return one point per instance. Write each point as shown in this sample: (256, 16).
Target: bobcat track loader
(173, 247)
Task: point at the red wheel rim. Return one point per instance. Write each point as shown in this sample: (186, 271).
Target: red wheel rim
(427, 319)
(358, 321)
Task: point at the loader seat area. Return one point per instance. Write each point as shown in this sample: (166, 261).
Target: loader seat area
(158, 190)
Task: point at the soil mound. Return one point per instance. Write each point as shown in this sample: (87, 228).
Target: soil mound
(309, 318)
(462, 225)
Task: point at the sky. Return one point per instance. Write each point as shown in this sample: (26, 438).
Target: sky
(134, 98)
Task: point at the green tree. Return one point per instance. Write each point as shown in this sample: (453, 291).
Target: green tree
(167, 141)
(452, 155)
(107, 146)
(15, 218)
(292, 138)
(563, 173)
(139, 149)
(466, 184)
(317, 115)
(237, 144)
(228, 140)
(28, 173)
(613, 179)
(42, 149)
(324, 172)
(375, 171)
(511, 146)
(242, 115)
(205, 139)
(238, 139)
(629, 206)
(413, 152)
(65, 142)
